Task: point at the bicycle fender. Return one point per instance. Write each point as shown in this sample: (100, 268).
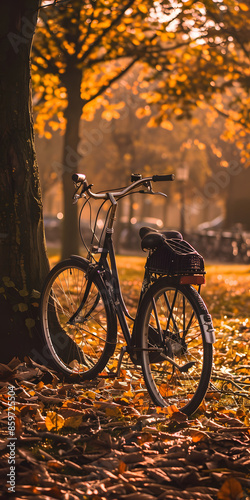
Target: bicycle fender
(81, 259)
(207, 324)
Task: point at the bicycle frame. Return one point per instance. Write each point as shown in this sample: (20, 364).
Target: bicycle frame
(108, 248)
(109, 273)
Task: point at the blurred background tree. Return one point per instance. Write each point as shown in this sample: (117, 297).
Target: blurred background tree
(212, 75)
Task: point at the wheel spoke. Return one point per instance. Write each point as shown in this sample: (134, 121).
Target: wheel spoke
(170, 316)
(157, 320)
(169, 308)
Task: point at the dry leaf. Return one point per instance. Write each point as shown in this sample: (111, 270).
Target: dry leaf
(197, 435)
(231, 490)
(122, 467)
(54, 421)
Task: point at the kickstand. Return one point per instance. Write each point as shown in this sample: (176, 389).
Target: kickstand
(117, 373)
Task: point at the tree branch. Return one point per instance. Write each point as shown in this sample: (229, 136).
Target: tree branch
(139, 50)
(226, 115)
(114, 79)
(40, 67)
(230, 31)
(53, 35)
(52, 4)
(52, 67)
(105, 31)
(90, 24)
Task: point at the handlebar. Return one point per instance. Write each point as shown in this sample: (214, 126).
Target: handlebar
(80, 179)
(160, 178)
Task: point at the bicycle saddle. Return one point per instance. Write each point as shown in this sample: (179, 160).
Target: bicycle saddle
(151, 238)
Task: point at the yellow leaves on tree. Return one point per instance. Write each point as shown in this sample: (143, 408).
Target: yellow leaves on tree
(243, 6)
(91, 39)
(143, 8)
(167, 125)
(190, 61)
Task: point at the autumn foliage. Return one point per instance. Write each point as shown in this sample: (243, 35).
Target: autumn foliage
(183, 56)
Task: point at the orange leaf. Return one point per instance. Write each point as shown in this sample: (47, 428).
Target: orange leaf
(18, 427)
(179, 417)
(175, 414)
(231, 490)
(73, 421)
(143, 8)
(54, 421)
(146, 437)
(197, 435)
(54, 465)
(113, 412)
(243, 6)
(172, 409)
(167, 125)
(122, 467)
(165, 391)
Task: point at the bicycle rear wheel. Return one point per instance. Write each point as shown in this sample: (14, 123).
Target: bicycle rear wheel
(177, 336)
(78, 322)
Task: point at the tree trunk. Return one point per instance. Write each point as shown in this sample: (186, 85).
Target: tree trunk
(70, 239)
(23, 259)
(238, 199)
(124, 141)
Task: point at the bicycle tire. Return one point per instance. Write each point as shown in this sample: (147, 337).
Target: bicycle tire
(177, 310)
(79, 327)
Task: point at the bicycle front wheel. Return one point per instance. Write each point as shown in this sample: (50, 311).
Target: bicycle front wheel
(177, 336)
(78, 322)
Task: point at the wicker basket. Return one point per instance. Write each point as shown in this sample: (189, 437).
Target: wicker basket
(175, 257)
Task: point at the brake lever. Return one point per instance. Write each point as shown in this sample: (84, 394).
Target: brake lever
(153, 192)
(76, 197)
(159, 192)
(85, 188)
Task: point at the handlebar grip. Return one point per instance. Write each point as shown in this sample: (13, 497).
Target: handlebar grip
(169, 177)
(78, 178)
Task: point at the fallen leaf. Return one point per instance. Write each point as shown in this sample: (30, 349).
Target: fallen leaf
(122, 467)
(231, 490)
(54, 421)
(197, 435)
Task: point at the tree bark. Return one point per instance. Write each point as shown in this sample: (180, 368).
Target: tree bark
(72, 80)
(238, 199)
(23, 258)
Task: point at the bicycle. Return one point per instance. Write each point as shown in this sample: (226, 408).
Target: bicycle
(172, 335)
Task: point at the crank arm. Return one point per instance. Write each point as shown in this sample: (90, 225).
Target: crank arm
(117, 373)
(182, 369)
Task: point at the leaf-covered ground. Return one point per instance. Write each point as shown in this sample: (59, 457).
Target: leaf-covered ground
(100, 440)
